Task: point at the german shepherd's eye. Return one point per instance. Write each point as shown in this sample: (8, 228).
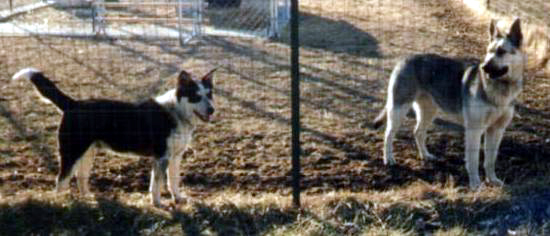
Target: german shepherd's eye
(500, 52)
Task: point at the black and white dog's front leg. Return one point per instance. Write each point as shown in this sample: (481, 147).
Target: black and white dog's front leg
(174, 177)
(157, 179)
(177, 146)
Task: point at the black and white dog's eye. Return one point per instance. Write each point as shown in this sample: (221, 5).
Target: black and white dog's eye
(190, 93)
(194, 98)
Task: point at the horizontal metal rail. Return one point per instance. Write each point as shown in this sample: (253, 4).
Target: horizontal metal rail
(143, 19)
(133, 4)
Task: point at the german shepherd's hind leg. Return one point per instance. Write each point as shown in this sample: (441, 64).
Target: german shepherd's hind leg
(425, 111)
(157, 178)
(395, 115)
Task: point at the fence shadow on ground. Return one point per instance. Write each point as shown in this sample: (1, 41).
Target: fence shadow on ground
(385, 177)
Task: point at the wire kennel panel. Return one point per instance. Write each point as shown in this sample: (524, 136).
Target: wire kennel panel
(181, 19)
(192, 18)
(264, 18)
(154, 19)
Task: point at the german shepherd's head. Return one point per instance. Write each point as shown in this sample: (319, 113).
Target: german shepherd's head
(195, 96)
(504, 58)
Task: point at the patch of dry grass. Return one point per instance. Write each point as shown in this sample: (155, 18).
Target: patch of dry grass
(416, 209)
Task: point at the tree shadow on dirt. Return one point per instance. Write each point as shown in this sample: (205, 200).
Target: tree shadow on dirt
(23, 135)
(337, 80)
(316, 32)
(228, 219)
(380, 177)
(337, 36)
(520, 212)
(37, 217)
(111, 217)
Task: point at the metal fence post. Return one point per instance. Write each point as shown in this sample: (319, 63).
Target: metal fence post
(295, 99)
(179, 8)
(273, 31)
(197, 18)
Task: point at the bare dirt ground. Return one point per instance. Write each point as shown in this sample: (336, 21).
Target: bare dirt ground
(535, 10)
(348, 50)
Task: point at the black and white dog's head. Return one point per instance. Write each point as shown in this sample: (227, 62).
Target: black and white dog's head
(504, 57)
(195, 96)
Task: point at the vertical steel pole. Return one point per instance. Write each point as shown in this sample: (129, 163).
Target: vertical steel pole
(295, 97)
(179, 8)
(273, 31)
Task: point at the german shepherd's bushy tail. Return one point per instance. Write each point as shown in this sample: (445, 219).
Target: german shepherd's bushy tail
(46, 88)
(379, 120)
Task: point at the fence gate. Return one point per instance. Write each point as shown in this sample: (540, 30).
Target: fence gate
(186, 19)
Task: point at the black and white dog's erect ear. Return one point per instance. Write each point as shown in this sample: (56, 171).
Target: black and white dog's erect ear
(208, 79)
(187, 87)
(184, 79)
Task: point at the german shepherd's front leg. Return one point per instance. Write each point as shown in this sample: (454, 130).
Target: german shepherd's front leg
(493, 137)
(473, 140)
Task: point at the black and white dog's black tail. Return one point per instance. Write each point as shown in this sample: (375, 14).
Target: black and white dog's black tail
(46, 88)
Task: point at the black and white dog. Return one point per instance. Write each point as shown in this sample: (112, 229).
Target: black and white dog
(161, 127)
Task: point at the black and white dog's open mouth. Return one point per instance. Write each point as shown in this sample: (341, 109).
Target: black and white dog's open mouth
(204, 118)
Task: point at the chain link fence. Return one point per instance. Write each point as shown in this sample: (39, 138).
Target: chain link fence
(10, 5)
(182, 19)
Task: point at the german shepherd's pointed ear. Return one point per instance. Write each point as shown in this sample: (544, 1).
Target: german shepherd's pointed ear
(184, 79)
(494, 33)
(514, 34)
(209, 77)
